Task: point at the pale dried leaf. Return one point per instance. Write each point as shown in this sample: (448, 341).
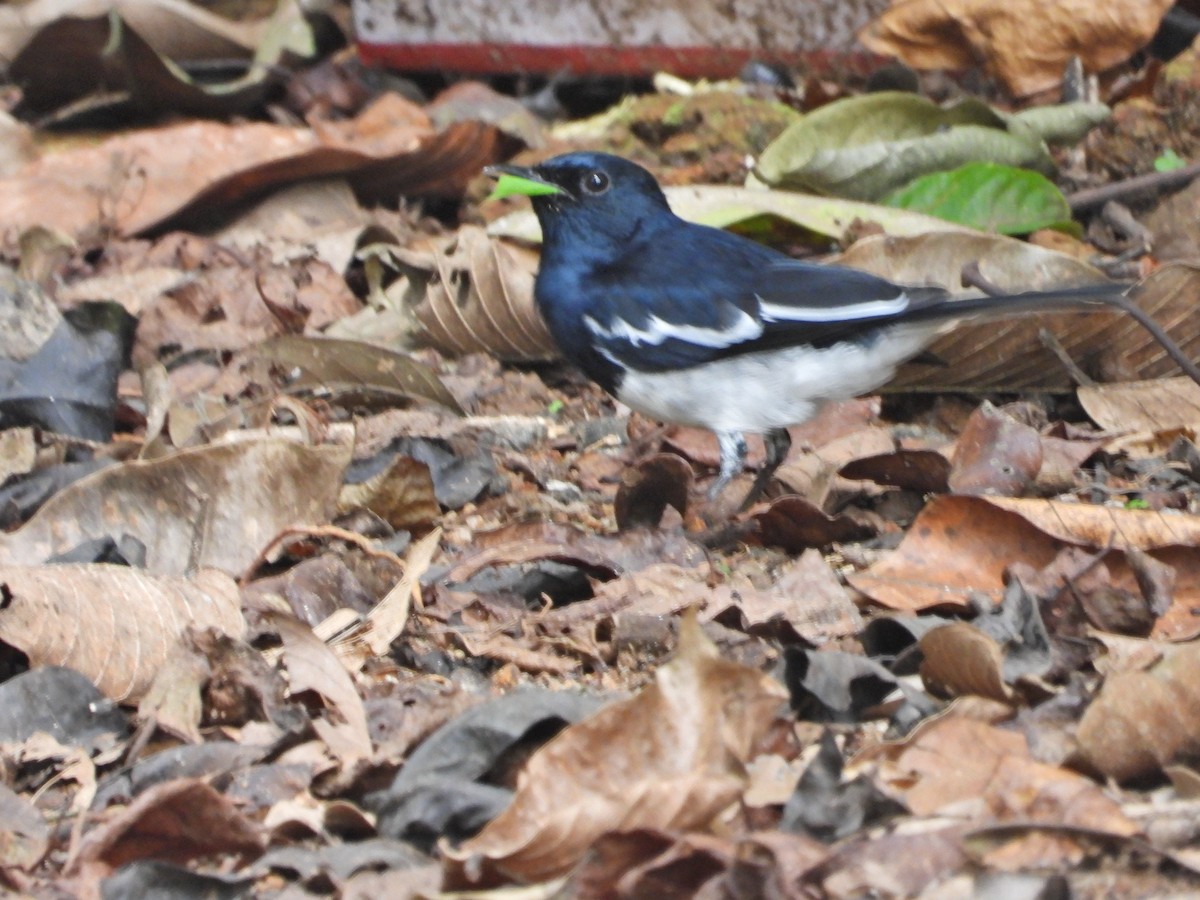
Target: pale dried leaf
(116, 625)
(213, 507)
(1163, 404)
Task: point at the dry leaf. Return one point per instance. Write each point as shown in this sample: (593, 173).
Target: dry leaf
(670, 758)
(313, 666)
(959, 34)
(116, 625)
(959, 545)
(473, 294)
(1163, 404)
(213, 507)
(1143, 721)
(133, 182)
(178, 821)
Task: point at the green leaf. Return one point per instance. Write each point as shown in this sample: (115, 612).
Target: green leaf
(865, 147)
(989, 197)
(1169, 162)
(515, 185)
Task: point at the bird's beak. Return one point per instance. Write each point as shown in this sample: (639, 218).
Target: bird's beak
(517, 180)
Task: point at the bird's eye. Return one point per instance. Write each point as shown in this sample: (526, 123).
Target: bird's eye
(595, 183)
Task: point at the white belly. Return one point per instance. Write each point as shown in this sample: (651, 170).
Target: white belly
(757, 392)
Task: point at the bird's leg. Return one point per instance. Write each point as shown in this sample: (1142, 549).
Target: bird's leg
(778, 442)
(733, 458)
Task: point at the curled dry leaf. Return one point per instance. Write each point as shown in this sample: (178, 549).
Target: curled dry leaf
(958, 34)
(116, 625)
(313, 666)
(474, 294)
(215, 506)
(1143, 721)
(960, 659)
(670, 758)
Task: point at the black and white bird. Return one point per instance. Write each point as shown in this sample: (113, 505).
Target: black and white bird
(697, 326)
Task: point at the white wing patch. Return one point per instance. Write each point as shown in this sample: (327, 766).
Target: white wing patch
(656, 331)
(849, 312)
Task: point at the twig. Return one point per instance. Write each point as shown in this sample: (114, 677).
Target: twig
(1051, 343)
(1090, 198)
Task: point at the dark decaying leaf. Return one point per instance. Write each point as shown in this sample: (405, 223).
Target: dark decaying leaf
(22, 497)
(914, 470)
(834, 686)
(447, 786)
(133, 77)
(212, 761)
(794, 524)
(826, 807)
(646, 491)
(60, 702)
(156, 880)
(70, 384)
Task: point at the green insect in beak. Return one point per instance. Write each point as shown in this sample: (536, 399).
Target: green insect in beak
(513, 181)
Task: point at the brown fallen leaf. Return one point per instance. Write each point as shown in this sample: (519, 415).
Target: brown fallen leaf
(960, 659)
(960, 34)
(1163, 404)
(133, 182)
(313, 666)
(473, 294)
(177, 821)
(670, 758)
(116, 625)
(960, 544)
(1142, 721)
(986, 775)
(995, 455)
(214, 507)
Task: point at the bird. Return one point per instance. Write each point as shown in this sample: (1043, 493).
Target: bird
(693, 325)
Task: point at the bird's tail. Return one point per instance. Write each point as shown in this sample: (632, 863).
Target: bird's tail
(1089, 298)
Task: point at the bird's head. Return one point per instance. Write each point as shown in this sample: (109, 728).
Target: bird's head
(590, 197)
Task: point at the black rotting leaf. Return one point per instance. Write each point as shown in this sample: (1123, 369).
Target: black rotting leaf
(21, 497)
(70, 385)
(827, 808)
(151, 879)
(60, 702)
(832, 686)
(458, 478)
(448, 787)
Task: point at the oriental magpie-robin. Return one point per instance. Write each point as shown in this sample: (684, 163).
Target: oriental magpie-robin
(697, 326)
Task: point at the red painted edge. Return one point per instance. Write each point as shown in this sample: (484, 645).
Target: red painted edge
(582, 59)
